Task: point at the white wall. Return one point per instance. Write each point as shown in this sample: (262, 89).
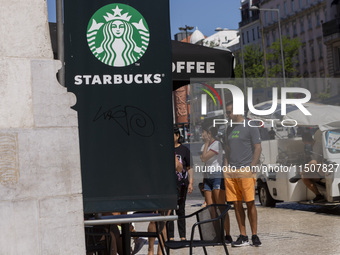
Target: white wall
(41, 208)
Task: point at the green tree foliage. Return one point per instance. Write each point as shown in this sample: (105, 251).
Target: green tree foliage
(253, 61)
(290, 52)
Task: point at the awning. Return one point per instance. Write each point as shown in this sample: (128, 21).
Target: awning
(195, 61)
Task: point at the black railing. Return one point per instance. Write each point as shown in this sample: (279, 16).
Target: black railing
(331, 27)
(248, 20)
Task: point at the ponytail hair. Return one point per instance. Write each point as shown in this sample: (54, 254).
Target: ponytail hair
(211, 129)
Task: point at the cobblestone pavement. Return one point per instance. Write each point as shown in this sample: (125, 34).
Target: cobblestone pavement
(290, 228)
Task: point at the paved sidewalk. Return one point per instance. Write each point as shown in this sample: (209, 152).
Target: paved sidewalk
(281, 230)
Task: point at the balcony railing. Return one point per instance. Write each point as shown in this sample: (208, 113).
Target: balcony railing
(331, 27)
(248, 20)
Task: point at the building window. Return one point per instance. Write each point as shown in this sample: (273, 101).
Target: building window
(258, 32)
(300, 4)
(265, 17)
(253, 30)
(245, 13)
(274, 36)
(294, 28)
(302, 26)
(287, 30)
(307, 2)
(317, 15)
(311, 46)
(293, 5)
(278, 7)
(304, 54)
(285, 8)
(310, 25)
(247, 36)
(337, 58)
(267, 40)
(320, 49)
(243, 38)
(296, 60)
(325, 15)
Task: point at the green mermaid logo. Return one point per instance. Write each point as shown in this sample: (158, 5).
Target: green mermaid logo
(114, 39)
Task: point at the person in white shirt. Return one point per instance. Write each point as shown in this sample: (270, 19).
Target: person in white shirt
(212, 156)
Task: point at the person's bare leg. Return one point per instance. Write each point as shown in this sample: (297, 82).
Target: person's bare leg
(208, 197)
(151, 228)
(219, 198)
(252, 216)
(114, 249)
(132, 229)
(216, 196)
(116, 243)
(240, 217)
(227, 225)
(310, 184)
(159, 250)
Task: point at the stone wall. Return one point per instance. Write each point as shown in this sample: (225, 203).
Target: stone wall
(41, 208)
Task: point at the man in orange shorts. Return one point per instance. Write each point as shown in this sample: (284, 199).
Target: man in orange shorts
(243, 152)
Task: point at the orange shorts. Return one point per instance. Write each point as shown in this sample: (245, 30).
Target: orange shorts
(239, 189)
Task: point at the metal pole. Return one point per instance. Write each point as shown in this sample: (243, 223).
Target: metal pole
(282, 57)
(223, 102)
(281, 46)
(243, 67)
(224, 110)
(186, 33)
(264, 51)
(60, 40)
(188, 117)
(173, 107)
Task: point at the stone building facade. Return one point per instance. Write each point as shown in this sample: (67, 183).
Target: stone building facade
(302, 19)
(298, 18)
(314, 22)
(250, 25)
(331, 35)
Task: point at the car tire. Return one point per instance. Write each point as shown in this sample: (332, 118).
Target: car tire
(264, 196)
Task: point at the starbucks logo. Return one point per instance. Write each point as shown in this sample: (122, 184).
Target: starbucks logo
(118, 35)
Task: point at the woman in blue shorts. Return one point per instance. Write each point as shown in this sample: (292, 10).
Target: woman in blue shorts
(212, 156)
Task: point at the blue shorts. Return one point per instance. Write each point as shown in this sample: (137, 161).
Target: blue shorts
(216, 183)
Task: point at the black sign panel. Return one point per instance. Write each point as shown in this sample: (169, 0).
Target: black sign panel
(195, 61)
(118, 64)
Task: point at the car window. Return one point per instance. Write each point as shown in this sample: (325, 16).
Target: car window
(333, 141)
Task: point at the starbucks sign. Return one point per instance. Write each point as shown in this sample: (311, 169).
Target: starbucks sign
(121, 77)
(118, 35)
